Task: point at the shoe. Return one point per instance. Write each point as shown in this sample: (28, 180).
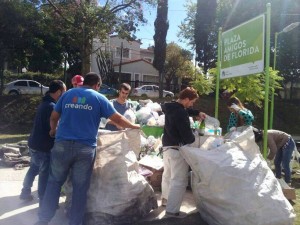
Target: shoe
(172, 214)
(176, 215)
(26, 197)
(41, 223)
(164, 202)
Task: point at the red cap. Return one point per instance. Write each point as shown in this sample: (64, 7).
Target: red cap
(77, 80)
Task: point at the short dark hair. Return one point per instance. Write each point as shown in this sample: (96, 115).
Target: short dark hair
(56, 85)
(189, 93)
(91, 79)
(125, 86)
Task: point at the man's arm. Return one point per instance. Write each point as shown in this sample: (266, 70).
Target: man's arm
(53, 123)
(113, 123)
(121, 121)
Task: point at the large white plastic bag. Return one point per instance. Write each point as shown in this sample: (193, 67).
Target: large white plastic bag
(117, 192)
(233, 185)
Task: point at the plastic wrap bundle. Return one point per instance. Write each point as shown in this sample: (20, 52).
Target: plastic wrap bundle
(130, 115)
(118, 194)
(233, 184)
(143, 115)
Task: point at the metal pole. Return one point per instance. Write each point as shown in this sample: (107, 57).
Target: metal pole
(218, 73)
(267, 72)
(120, 66)
(273, 86)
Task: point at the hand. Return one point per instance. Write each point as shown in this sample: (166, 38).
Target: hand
(52, 133)
(235, 107)
(202, 115)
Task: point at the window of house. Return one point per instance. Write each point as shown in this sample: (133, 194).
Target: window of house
(126, 52)
(150, 78)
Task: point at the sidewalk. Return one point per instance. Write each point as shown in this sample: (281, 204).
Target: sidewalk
(13, 211)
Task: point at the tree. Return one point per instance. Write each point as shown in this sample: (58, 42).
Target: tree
(202, 84)
(161, 25)
(206, 33)
(82, 21)
(178, 63)
(187, 26)
(249, 88)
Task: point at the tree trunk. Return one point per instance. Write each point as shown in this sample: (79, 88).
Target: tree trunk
(86, 56)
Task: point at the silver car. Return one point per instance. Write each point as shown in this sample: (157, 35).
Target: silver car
(23, 87)
(151, 91)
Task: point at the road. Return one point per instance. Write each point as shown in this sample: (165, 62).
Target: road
(13, 211)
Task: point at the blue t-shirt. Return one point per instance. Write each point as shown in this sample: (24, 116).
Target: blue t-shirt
(121, 108)
(80, 111)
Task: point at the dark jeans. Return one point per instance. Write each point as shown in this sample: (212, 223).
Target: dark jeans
(283, 157)
(66, 155)
(39, 165)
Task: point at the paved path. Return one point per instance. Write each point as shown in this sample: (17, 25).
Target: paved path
(14, 211)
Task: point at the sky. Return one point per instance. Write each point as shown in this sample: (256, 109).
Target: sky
(176, 14)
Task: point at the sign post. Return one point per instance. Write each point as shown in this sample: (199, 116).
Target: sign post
(241, 52)
(243, 49)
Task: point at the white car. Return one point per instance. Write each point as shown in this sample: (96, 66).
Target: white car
(151, 91)
(23, 87)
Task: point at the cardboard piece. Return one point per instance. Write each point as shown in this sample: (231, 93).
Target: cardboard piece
(288, 191)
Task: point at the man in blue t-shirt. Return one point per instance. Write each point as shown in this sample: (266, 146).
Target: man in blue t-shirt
(78, 111)
(121, 104)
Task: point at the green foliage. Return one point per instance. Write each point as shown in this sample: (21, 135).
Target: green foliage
(177, 63)
(187, 26)
(203, 85)
(44, 79)
(250, 88)
(230, 13)
(206, 33)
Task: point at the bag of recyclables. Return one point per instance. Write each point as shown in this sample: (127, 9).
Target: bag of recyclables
(233, 185)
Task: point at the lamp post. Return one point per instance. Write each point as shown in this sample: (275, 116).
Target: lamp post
(285, 30)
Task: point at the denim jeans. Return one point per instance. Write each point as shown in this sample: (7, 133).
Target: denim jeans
(39, 165)
(283, 157)
(66, 155)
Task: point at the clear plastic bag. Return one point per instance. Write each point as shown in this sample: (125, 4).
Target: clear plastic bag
(211, 122)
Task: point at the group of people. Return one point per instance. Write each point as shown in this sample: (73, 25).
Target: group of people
(63, 139)
(64, 134)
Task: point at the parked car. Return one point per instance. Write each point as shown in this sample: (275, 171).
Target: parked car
(151, 91)
(107, 90)
(19, 87)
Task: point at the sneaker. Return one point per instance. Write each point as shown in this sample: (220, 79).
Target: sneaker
(26, 197)
(172, 214)
(176, 215)
(41, 223)
(164, 202)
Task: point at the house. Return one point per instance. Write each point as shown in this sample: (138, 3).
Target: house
(134, 67)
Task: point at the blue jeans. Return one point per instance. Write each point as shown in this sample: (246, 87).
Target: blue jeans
(66, 155)
(283, 157)
(39, 165)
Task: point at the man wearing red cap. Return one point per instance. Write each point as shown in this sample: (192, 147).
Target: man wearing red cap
(77, 81)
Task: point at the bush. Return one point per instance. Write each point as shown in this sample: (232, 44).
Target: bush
(43, 78)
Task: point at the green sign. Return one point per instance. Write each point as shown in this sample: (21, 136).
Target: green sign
(243, 49)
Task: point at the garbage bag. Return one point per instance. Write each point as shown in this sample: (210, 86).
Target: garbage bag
(233, 184)
(118, 194)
